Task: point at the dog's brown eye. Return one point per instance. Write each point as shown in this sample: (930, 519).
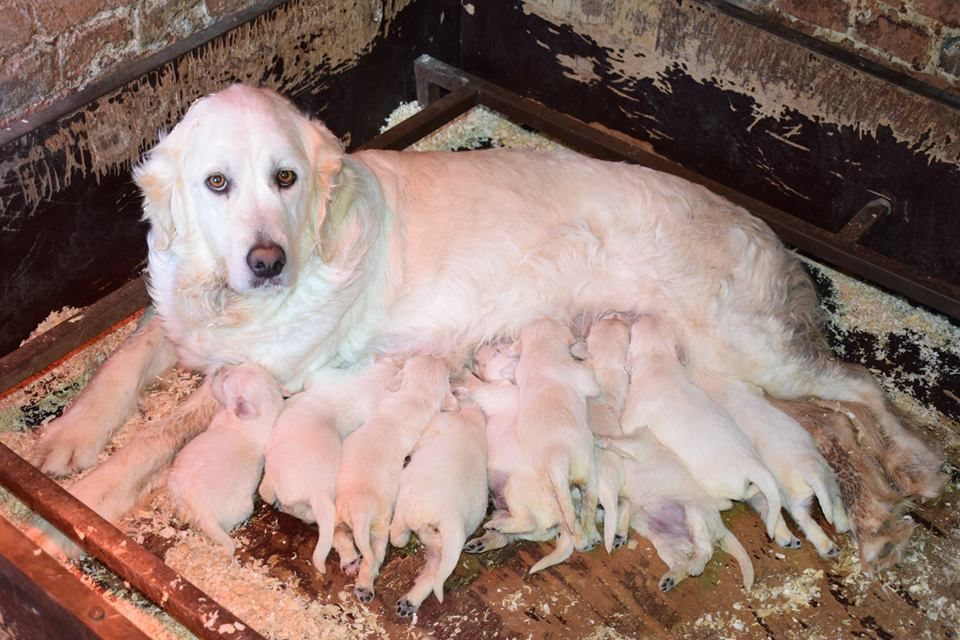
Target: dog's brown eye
(285, 178)
(216, 182)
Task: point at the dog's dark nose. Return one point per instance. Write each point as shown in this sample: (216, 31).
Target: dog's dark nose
(266, 260)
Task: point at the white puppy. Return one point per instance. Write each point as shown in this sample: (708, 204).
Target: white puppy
(443, 497)
(553, 432)
(668, 507)
(213, 480)
(372, 460)
(303, 452)
(790, 454)
(520, 495)
(663, 398)
(607, 345)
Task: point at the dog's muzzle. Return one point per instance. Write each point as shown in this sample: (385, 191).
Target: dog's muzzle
(266, 260)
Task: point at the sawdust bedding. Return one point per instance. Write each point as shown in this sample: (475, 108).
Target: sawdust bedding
(915, 354)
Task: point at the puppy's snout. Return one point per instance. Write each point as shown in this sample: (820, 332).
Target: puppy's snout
(266, 260)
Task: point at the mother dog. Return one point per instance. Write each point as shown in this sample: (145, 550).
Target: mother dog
(269, 244)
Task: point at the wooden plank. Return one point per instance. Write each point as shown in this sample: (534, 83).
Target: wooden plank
(39, 598)
(163, 586)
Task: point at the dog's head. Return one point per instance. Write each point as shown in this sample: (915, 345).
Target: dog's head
(237, 188)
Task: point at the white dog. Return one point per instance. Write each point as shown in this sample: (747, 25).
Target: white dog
(373, 455)
(607, 345)
(443, 497)
(790, 454)
(553, 432)
(663, 398)
(303, 452)
(667, 506)
(305, 257)
(213, 480)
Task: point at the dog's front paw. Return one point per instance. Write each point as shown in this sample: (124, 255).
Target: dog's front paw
(47, 537)
(363, 594)
(619, 540)
(477, 545)
(67, 445)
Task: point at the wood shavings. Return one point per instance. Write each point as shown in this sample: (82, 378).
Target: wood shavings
(52, 320)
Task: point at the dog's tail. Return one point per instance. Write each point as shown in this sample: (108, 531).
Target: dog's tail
(730, 544)
(761, 476)
(361, 522)
(608, 497)
(558, 470)
(561, 552)
(325, 514)
(452, 538)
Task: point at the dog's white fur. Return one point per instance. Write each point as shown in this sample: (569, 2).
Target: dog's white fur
(553, 431)
(372, 460)
(524, 501)
(607, 345)
(443, 497)
(790, 454)
(403, 252)
(667, 506)
(214, 478)
(302, 456)
(663, 398)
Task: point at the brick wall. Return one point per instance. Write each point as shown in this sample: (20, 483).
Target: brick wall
(918, 37)
(50, 48)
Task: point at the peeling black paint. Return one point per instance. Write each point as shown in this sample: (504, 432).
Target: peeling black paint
(713, 131)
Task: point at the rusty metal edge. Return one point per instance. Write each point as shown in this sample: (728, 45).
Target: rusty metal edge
(840, 249)
(163, 586)
(56, 596)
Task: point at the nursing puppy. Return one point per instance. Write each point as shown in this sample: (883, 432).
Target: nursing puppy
(607, 345)
(790, 454)
(302, 456)
(522, 498)
(663, 398)
(553, 432)
(213, 480)
(667, 506)
(443, 497)
(372, 461)
(269, 244)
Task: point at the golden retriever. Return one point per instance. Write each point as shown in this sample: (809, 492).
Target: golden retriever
(269, 244)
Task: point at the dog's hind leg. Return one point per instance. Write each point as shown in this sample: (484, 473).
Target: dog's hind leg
(114, 487)
(72, 442)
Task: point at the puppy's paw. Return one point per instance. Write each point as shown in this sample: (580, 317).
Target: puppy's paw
(477, 545)
(619, 540)
(831, 553)
(791, 543)
(48, 538)
(405, 608)
(363, 594)
(667, 583)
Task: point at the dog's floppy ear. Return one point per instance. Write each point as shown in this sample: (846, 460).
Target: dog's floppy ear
(325, 152)
(157, 178)
(354, 217)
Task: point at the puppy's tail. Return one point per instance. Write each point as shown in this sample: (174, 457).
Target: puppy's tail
(558, 470)
(326, 514)
(730, 544)
(452, 539)
(561, 552)
(361, 521)
(767, 484)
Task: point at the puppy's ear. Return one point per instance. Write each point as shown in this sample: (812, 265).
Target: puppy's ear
(216, 386)
(579, 349)
(450, 403)
(157, 178)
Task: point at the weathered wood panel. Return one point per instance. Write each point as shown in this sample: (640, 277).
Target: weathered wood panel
(803, 132)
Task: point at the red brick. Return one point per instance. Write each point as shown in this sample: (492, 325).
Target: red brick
(59, 16)
(27, 79)
(16, 28)
(103, 42)
(889, 34)
(943, 11)
(165, 21)
(830, 14)
(219, 8)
